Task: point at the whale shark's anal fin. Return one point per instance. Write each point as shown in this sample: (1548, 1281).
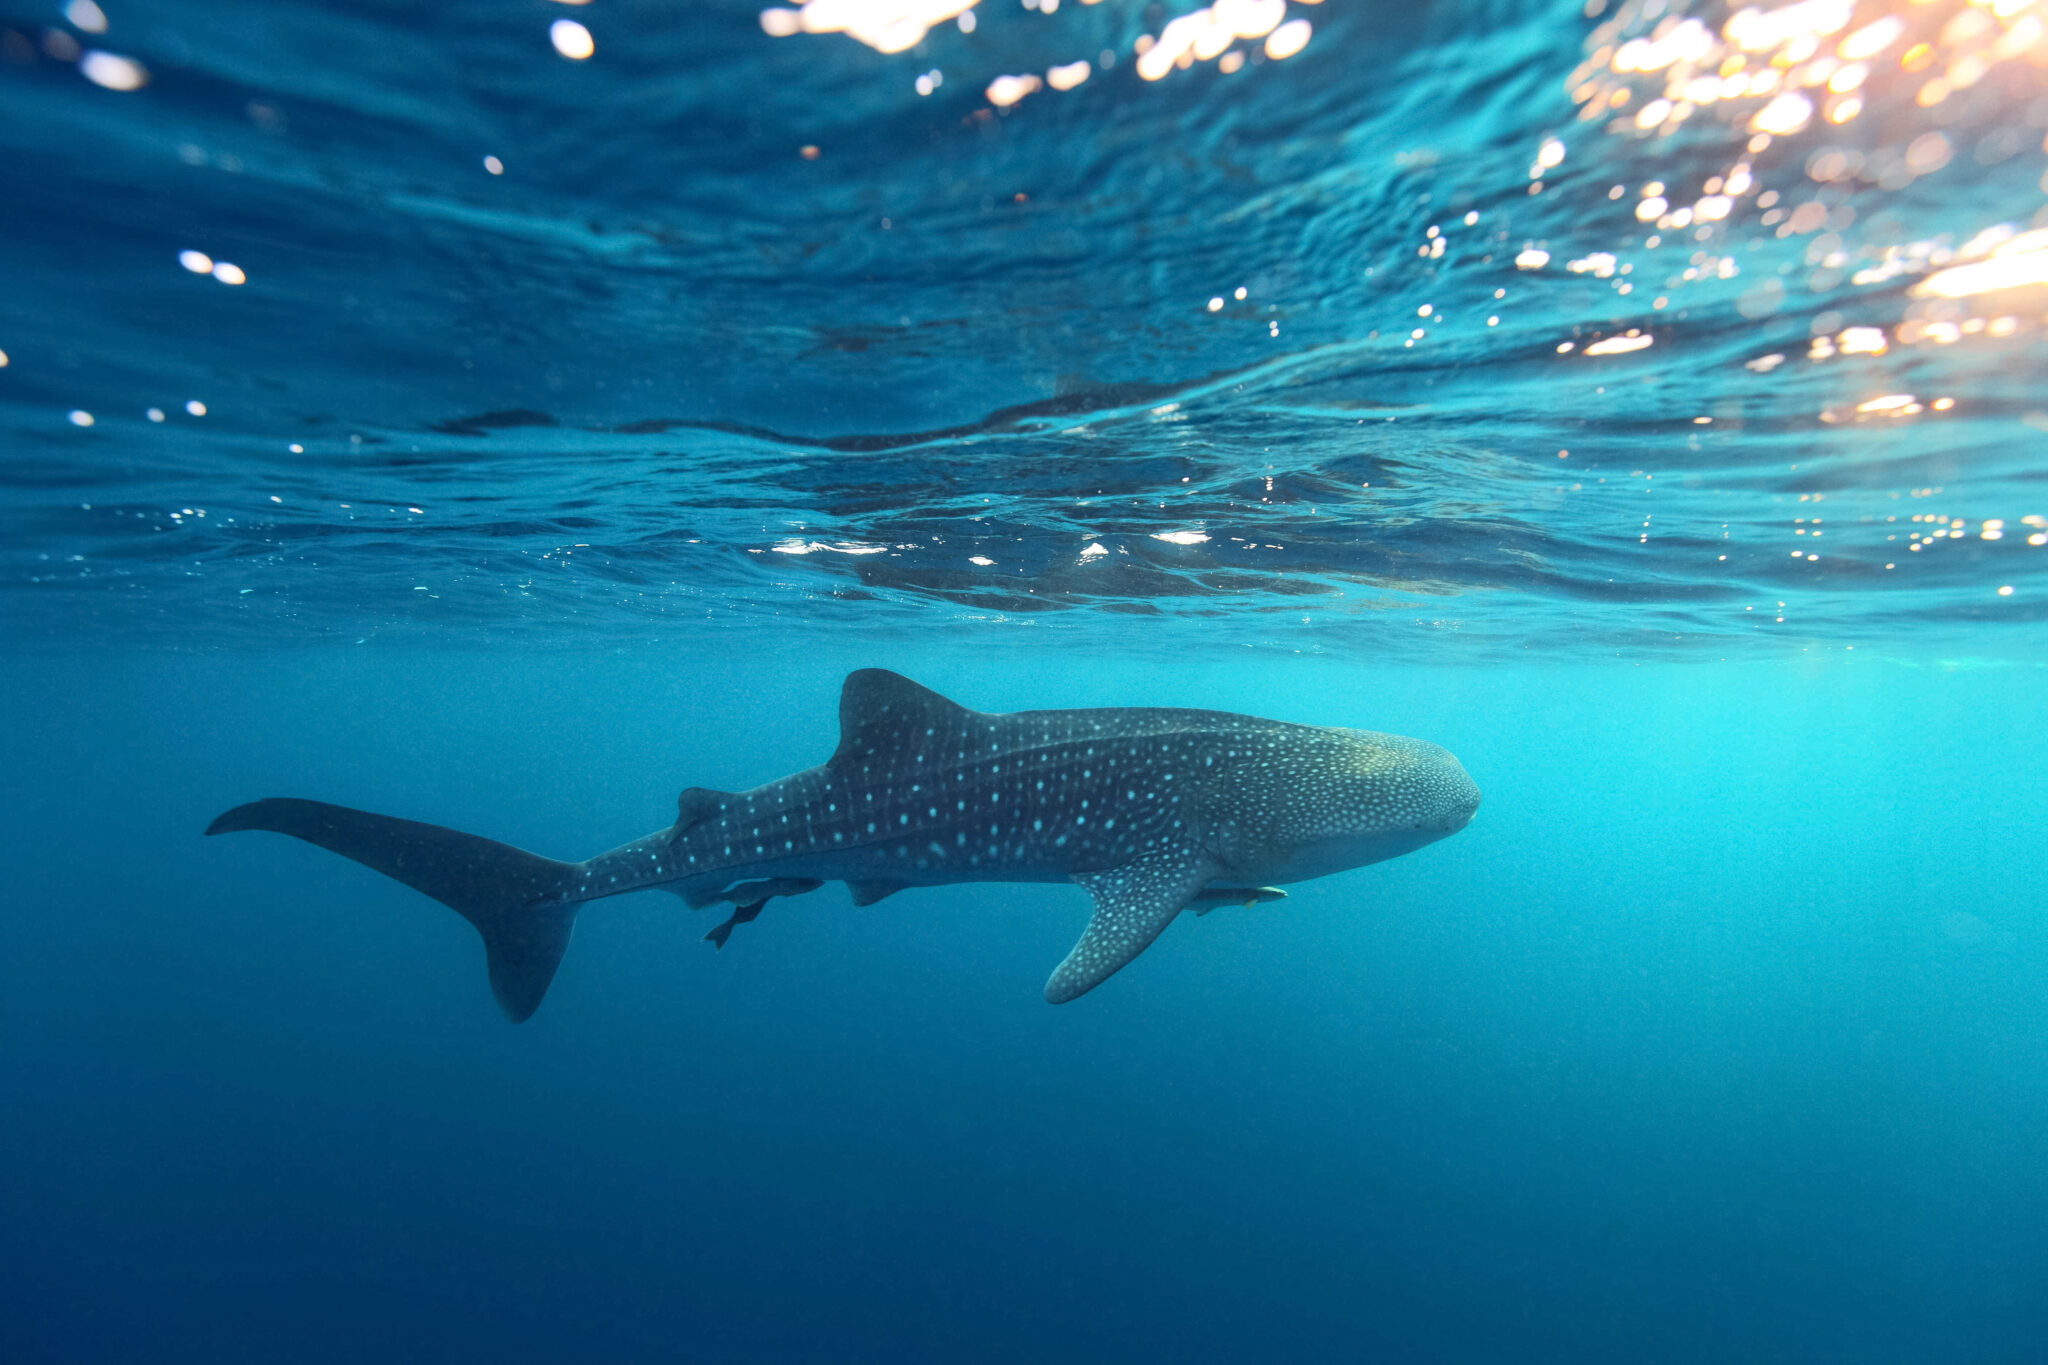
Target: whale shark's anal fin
(1133, 904)
(510, 895)
(867, 893)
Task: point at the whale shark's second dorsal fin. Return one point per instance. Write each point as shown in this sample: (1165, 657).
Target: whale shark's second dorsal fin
(881, 712)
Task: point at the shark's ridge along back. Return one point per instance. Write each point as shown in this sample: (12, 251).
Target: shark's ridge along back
(1152, 810)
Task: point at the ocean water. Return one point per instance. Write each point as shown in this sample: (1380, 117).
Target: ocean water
(506, 415)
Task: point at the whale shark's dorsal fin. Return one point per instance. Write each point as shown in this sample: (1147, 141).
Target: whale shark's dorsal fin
(880, 712)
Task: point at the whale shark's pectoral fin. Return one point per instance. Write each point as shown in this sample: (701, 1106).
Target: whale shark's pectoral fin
(1216, 897)
(1133, 903)
(867, 893)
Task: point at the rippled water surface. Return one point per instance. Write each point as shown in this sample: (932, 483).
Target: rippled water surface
(1526, 326)
(508, 414)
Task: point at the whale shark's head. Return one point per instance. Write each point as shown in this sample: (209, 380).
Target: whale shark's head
(1411, 784)
(1346, 798)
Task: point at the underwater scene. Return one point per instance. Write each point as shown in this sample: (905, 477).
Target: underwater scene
(1019, 680)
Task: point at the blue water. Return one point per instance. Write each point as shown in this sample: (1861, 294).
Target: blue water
(576, 424)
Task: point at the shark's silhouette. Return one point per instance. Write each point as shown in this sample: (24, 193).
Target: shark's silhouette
(1152, 810)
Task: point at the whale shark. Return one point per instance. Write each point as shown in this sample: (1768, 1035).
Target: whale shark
(1151, 810)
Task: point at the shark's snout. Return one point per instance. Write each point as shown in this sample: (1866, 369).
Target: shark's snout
(1461, 813)
(1458, 799)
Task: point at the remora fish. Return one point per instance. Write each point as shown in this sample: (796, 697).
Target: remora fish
(1152, 810)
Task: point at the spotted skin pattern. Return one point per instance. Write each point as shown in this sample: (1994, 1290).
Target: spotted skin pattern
(1150, 809)
(1142, 806)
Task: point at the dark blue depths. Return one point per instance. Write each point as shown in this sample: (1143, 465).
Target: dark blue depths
(520, 502)
(1719, 1034)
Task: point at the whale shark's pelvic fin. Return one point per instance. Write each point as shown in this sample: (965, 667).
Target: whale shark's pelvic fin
(1133, 903)
(741, 914)
(747, 899)
(882, 713)
(507, 893)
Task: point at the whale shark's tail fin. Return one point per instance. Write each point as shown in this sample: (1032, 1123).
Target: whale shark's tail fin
(512, 897)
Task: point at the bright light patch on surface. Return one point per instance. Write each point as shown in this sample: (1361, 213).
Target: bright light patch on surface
(1288, 39)
(884, 25)
(1532, 258)
(1207, 35)
(80, 417)
(1180, 537)
(1787, 113)
(198, 262)
(1068, 76)
(1093, 551)
(1248, 18)
(1755, 30)
(86, 17)
(809, 547)
(112, 72)
(982, 560)
(2021, 262)
(1871, 39)
(1890, 402)
(1621, 345)
(1005, 91)
(1688, 41)
(571, 39)
(1862, 341)
(229, 273)
(494, 166)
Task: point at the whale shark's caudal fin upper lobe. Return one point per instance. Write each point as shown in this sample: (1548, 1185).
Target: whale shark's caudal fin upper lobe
(512, 897)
